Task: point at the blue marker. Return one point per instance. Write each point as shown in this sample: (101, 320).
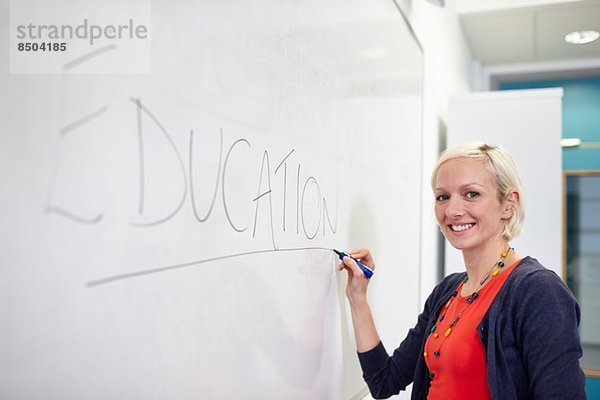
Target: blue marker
(366, 270)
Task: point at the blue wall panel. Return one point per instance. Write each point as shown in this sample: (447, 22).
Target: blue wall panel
(581, 119)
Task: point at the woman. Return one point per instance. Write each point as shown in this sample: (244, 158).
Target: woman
(504, 329)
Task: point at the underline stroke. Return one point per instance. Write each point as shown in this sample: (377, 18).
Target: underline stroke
(136, 274)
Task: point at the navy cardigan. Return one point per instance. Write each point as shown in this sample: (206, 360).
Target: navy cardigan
(530, 335)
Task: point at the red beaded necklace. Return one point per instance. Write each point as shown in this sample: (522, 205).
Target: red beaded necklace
(493, 272)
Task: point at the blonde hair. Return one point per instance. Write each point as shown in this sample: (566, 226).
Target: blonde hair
(504, 170)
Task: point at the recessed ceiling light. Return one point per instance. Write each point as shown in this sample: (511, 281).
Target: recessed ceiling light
(582, 37)
(570, 142)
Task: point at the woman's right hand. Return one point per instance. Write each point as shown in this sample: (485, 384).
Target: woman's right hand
(356, 289)
(365, 332)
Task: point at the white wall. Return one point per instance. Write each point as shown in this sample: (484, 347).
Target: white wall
(449, 70)
(469, 6)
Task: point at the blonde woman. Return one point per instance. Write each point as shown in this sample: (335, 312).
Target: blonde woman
(506, 328)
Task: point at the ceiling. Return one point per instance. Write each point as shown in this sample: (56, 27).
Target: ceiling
(530, 33)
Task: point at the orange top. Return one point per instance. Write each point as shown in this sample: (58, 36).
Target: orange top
(459, 371)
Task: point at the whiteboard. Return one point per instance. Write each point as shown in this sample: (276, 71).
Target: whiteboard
(166, 229)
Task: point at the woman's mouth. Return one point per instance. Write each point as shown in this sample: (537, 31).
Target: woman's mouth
(461, 228)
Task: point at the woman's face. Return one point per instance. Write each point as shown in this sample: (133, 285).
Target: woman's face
(467, 207)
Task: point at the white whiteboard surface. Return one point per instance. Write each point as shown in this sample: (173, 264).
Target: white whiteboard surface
(528, 123)
(167, 235)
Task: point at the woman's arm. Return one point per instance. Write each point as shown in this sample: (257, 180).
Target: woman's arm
(548, 337)
(385, 375)
(365, 331)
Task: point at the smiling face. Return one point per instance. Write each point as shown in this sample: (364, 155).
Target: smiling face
(467, 207)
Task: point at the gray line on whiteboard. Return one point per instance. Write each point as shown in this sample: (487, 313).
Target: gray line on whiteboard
(74, 125)
(265, 193)
(311, 178)
(298, 200)
(73, 217)
(262, 167)
(282, 161)
(284, 193)
(191, 158)
(88, 56)
(223, 184)
(49, 209)
(326, 213)
(326, 210)
(284, 183)
(115, 278)
(181, 164)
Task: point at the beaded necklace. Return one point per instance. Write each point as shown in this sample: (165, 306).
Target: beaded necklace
(493, 272)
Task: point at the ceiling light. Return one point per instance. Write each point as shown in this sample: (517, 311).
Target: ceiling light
(581, 37)
(570, 142)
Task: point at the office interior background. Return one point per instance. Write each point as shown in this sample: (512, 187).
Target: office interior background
(462, 49)
(488, 45)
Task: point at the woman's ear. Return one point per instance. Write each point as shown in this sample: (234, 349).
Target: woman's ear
(511, 203)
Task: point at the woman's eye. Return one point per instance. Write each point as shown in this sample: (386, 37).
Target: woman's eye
(442, 197)
(472, 195)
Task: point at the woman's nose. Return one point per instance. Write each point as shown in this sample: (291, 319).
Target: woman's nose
(454, 207)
